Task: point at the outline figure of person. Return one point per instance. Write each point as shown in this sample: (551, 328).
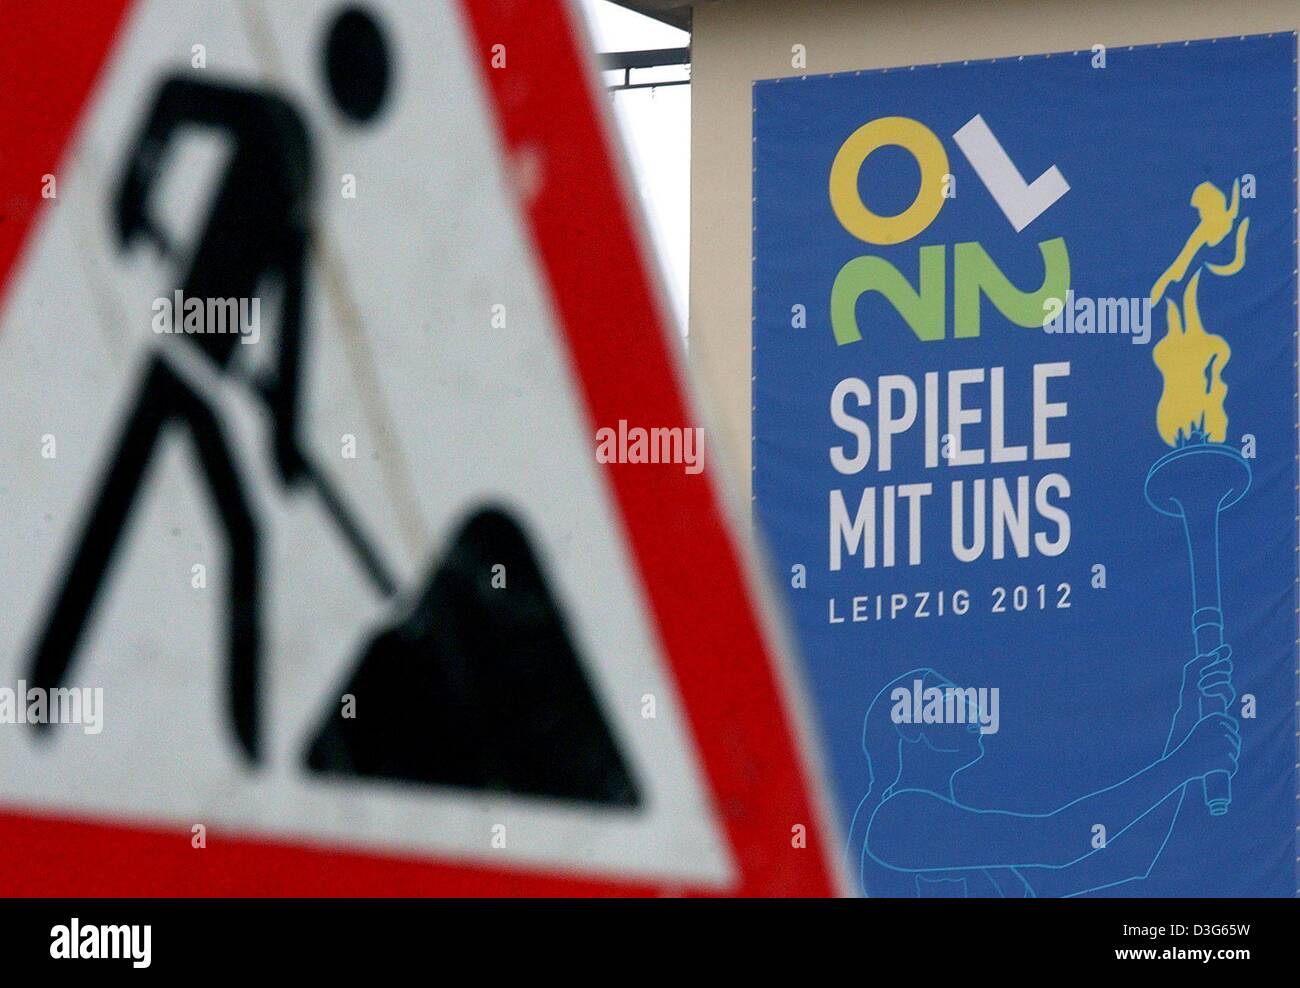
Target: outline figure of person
(913, 835)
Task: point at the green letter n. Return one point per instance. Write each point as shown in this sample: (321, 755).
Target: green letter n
(923, 311)
(974, 273)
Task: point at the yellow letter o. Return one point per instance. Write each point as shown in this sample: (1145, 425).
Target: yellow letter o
(919, 141)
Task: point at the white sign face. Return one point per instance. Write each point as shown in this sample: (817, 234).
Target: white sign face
(379, 486)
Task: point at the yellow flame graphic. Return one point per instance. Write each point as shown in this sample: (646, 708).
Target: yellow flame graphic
(1191, 360)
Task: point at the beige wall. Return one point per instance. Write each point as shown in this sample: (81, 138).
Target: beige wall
(738, 41)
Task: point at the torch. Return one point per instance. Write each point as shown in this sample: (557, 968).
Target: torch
(1201, 476)
(1194, 483)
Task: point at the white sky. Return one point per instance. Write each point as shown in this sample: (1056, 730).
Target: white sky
(656, 126)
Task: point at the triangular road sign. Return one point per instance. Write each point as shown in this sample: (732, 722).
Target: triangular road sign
(357, 608)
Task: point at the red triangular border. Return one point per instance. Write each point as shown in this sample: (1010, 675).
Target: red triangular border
(689, 565)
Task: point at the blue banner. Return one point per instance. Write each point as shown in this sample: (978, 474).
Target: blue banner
(1025, 456)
